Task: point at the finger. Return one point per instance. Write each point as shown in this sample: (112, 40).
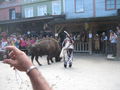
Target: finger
(13, 48)
(11, 54)
(10, 62)
(11, 66)
(13, 57)
(14, 68)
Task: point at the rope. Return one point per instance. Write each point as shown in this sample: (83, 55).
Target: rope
(18, 78)
(20, 81)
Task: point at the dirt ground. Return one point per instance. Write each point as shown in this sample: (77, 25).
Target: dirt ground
(88, 73)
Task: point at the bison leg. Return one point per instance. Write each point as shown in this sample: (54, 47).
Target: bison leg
(51, 60)
(57, 59)
(32, 58)
(48, 58)
(36, 58)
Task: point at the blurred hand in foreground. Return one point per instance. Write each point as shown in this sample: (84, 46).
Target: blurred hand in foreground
(18, 59)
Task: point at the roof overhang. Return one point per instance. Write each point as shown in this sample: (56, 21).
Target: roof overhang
(84, 20)
(40, 18)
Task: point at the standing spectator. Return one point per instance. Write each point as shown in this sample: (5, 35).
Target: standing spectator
(37, 40)
(4, 43)
(83, 37)
(118, 30)
(103, 42)
(17, 42)
(97, 43)
(22, 44)
(4, 35)
(113, 41)
(28, 42)
(28, 34)
(32, 41)
(78, 36)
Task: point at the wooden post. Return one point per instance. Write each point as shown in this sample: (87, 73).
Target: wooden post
(90, 46)
(56, 36)
(118, 49)
(90, 42)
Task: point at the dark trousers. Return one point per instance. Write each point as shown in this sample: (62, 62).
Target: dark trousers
(103, 46)
(113, 47)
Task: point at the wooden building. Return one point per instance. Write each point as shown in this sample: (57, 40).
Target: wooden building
(89, 17)
(32, 15)
(80, 17)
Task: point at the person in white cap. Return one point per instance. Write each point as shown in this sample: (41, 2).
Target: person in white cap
(67, 50)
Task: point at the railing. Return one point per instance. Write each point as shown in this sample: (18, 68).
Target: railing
(81, 46)
(9, 5)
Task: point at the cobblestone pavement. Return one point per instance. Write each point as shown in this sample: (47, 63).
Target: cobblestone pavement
(88, 73)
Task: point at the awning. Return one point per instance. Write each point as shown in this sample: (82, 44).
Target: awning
(96, 19)
(50, 17)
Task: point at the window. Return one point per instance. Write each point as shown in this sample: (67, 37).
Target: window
(28, 12)
(110, 4)
(9, 0)
(56, 7)
(25, 0)
(118, 3)
(12, 14)
(79, 5)
(29, 0)
(41, 10)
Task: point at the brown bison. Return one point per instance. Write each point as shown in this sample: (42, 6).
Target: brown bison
(49, 47)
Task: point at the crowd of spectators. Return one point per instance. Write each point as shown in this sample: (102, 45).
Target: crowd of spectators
(103, 42)
(107, 41)
(21, 41)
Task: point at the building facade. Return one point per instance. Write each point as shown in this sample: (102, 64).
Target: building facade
(91, 8)
(83, 18)
(23, 15)
(10, 9)
(89, 17)
(35, 8)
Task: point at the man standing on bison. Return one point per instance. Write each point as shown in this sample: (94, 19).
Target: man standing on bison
(67, 50)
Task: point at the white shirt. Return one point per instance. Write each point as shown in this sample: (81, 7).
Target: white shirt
(68, 44)
(113, 39)
(4, 44)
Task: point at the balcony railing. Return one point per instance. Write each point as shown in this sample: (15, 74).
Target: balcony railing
(11, 4)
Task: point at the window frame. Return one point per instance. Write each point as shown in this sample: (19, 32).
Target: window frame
(117, 4)
(30, 15)
(106, 8)
(53, 9)
(9, 0)
(11, 15)
(38, 9)
(28, 1)
(75, 6)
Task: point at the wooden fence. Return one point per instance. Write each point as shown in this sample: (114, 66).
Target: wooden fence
(81, 46)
